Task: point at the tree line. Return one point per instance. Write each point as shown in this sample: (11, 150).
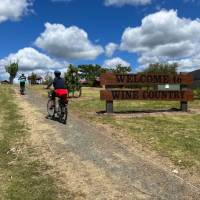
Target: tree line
(90, 73)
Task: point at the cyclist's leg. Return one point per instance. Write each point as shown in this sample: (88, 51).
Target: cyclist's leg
(22, 85)
(53, 98)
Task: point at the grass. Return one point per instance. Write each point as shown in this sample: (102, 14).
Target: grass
(21, 176)
(174, 136)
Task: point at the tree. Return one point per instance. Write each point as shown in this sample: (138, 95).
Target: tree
(33, 78)
(12, 69)
(48, 78)
(91, 72)
(122, 69)
(72, 79)
(162, 68)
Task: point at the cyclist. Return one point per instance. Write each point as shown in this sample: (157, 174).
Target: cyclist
(22, 80)
(59, 87)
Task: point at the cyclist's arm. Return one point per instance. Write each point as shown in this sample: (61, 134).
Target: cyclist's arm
(50, 84)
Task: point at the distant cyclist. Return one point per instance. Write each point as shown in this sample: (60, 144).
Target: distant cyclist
(58, 84)
(22, 81)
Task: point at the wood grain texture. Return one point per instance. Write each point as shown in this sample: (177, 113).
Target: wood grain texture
(111, 95)
(110, 79)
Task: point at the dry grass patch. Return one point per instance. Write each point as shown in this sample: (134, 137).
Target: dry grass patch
(22, 176)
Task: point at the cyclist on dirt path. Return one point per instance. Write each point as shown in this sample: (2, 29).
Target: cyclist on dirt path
(22, 81)
(58, 83)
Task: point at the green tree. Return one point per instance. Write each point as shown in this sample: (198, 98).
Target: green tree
(12, 69)
(122, 69)
(72, 79)
(91, 72)
(33, 78)
(162, 68)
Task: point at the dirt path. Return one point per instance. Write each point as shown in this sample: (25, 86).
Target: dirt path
(92, 165)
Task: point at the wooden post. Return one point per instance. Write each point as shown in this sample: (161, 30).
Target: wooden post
(184, 106)
(109, 106)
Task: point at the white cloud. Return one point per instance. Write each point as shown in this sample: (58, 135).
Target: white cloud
(112, 63)
(126, 2)
(31, 60)
(188, 64)
(14, 9)
(69, 43)
(163, 37)
(110, 49)
(3, 74)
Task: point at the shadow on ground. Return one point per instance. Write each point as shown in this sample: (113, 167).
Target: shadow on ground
(149, 111)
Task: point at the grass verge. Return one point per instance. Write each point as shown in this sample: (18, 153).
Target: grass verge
(22, 175)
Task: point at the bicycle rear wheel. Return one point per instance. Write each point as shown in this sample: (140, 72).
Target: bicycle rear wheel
(64, 114)
(22, 90)
(51, 108)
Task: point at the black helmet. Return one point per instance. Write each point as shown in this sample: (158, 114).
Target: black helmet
(57, 73)
(22, 74)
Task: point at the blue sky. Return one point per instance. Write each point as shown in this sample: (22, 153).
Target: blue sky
(49, 34)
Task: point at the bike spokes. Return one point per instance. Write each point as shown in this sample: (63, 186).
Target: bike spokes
(51, 108)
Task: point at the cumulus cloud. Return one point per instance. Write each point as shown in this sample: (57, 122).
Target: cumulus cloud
(30, 59)
(188, 64)
(69, 43)
(3, 74)
(163, 37)
(110, 49)
(112, 63)
(14, 9)
(126, 2)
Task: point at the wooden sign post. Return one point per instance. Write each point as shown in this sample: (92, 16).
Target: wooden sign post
(112, 83)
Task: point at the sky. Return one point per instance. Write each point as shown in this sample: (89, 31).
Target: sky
(48, 35)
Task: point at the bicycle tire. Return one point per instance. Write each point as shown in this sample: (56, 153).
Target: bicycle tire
(64, 114)
(51, 112)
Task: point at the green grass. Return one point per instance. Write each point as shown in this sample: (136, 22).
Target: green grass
(22, 178)
(174, 136)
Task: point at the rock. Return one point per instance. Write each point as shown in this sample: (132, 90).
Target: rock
(175, 171)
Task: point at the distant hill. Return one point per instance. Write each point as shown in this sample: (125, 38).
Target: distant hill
(196, 75)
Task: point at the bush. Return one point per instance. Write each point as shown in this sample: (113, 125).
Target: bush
(197, 93)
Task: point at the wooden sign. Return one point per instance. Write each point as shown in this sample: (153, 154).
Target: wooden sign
(110, 79)
(111, 95)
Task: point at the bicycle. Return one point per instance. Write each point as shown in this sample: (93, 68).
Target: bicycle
(59, 110)
(75, 90)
